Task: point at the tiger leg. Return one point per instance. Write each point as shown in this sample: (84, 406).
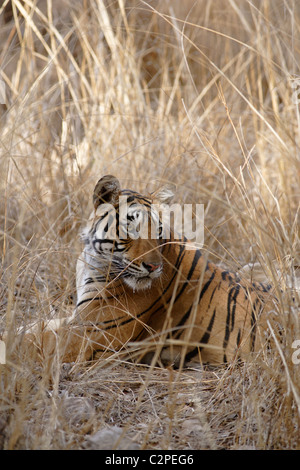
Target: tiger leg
(56, 337)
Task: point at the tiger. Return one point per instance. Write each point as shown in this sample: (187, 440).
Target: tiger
(158, 292)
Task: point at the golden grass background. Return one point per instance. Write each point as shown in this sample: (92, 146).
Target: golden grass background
(200, 93)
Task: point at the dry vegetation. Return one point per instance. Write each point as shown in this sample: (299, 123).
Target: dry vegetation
(201, 93)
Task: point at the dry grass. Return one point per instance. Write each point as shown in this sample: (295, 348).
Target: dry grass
(203, 94)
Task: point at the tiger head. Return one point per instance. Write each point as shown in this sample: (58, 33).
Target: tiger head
(125, 234)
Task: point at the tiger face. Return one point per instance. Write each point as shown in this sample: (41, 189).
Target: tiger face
(124, 235)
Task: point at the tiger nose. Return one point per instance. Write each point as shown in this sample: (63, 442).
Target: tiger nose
(152, 266)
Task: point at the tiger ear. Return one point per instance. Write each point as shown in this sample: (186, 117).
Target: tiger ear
(107, 190)
(165, 194)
